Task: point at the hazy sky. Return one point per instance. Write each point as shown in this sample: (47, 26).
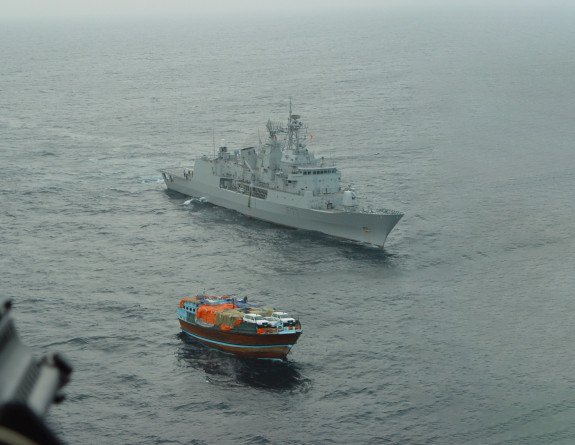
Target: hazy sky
(10, 9)
(64, 9)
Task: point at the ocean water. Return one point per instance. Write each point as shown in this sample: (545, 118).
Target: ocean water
(460, 331)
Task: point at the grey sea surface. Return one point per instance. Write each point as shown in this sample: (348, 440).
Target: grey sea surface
(460, 331)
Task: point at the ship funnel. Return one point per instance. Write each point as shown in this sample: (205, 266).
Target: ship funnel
(250, 157)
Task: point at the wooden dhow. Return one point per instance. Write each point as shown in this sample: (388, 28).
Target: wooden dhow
(238, 327)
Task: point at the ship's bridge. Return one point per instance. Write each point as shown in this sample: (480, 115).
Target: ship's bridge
(298, 157)
(317, 179)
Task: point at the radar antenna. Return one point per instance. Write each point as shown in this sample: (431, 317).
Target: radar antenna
(274, 128)
(294, 141)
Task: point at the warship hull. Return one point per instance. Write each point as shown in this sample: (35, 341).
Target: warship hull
(282, 208)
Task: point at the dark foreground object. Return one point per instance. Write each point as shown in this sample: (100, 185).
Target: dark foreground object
(28, 386)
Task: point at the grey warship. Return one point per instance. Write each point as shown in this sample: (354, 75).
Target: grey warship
(282, 182)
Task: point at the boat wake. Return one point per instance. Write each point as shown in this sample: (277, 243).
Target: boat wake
(194, 200)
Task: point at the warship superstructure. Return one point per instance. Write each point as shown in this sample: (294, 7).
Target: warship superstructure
(282, 182)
